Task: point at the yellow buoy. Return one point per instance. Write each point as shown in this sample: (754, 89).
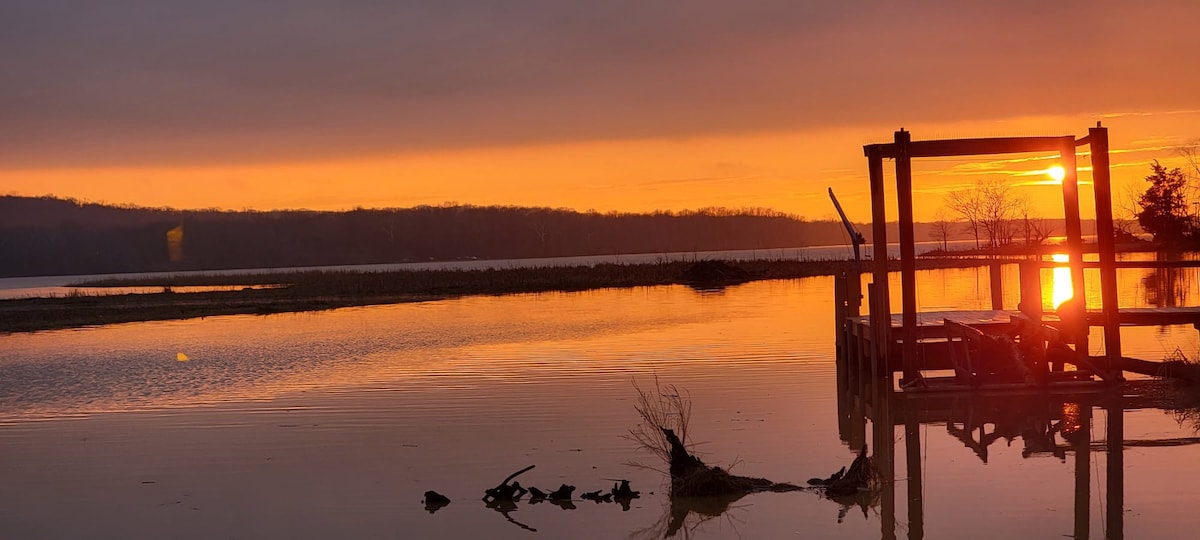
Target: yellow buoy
(181, 357)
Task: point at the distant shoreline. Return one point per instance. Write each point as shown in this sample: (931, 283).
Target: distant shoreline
(322, 290)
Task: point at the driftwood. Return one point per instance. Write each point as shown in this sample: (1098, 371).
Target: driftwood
(848, 481)
(434, 501)
(597, 496)
(563, 493)
(690, 477)
(505, 491)
(536, 495)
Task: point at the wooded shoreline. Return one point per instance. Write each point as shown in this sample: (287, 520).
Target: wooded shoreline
(321, 290)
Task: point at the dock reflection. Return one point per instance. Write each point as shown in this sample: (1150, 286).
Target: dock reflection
(1048, 424)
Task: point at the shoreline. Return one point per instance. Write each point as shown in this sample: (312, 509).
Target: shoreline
(322, 290)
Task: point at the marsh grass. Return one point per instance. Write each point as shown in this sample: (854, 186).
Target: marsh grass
(503, 280)
(312, 290)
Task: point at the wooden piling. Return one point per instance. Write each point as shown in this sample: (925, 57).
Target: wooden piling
(997, 285)
(839, 313)
(1106, 243)
(1074, 228)
(908, 256)
(880, 310)
(1031, 290)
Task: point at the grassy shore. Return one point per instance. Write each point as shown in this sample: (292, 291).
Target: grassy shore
(318, 290)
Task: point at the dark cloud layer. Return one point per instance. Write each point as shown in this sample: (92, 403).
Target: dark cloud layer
(149, 81)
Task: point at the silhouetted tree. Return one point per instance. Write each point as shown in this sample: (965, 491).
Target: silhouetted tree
(1164, 204)
(989, 208)
(941, 229)
(968, 203)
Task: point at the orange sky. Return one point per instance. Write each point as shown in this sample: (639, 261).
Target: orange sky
(629, 108)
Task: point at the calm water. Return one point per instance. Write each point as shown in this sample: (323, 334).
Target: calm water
(333, 424)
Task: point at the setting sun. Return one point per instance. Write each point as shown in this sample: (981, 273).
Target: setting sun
(1057, 172)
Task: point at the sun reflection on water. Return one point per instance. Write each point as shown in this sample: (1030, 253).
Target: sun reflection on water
(1061, 281)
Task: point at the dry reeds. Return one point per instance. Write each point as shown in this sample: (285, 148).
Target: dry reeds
(660, 407)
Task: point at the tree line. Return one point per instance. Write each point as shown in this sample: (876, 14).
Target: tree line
(51, 236)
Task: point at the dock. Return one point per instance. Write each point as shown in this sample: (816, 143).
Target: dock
(1009, 347)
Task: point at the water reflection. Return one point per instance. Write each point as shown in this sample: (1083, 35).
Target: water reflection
(1057, 425)
(1060, 289)
(1168, 287)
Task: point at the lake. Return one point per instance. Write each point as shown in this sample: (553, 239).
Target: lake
(333, 424)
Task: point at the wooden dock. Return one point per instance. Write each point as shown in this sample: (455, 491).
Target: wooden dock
(1006, 347)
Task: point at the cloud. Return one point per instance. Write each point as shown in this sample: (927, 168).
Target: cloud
(171, 82)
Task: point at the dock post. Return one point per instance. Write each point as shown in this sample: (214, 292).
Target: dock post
(908, 255)
(839, 315)
(873, 356)
(1074, 227)
(1106, 243)
(1031, 290)
(880, 310)
(997, 285)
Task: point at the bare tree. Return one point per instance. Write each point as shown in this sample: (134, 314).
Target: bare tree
(1036, 230)
(989, 208)
(968, 204)
(941, 229)
(1126, 208)
(1000, 211)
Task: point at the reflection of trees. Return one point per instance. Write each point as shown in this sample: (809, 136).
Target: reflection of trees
(1167, 287)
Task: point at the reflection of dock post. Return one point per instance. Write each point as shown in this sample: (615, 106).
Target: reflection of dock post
(1083, 473)
(885, 458)
(912, 454)
(1116, 469)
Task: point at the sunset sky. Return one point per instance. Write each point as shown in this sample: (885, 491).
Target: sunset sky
(629, 106)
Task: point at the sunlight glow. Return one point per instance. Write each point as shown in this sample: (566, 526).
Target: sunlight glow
(1061, 281)
(1057, 172)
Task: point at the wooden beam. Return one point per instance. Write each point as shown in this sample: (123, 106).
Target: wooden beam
(967, 147)
(908, 255)
(1106, 242)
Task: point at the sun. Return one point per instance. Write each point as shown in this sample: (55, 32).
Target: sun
(1057, 172)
